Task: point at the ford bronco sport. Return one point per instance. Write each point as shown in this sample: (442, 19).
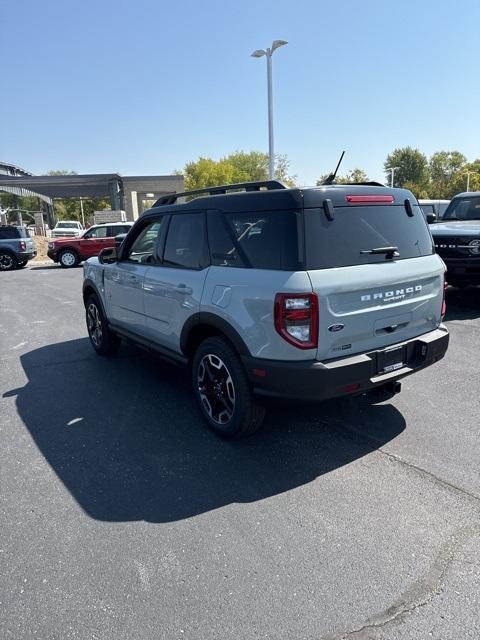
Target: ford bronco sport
(70, 251)
(16, 247)
(263, 290)
(457, 239)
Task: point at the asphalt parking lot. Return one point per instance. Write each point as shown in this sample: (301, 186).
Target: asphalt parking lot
(123, 518)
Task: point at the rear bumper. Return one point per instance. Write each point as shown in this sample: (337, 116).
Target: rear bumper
(314, 381)
(26, 255)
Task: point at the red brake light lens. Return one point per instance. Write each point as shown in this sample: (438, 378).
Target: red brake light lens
(296, 318)
(374, 199)
(23, 245)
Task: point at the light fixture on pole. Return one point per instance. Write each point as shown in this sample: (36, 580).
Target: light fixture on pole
(392, 172)
(259, 53)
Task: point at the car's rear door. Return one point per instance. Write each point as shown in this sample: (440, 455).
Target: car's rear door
(371, 300)
(173, 289)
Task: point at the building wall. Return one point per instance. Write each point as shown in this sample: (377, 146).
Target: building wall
(135, 189)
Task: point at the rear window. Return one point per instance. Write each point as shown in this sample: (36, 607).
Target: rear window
(259, 240)
(7, 233)
(357, 228)
(463, 209)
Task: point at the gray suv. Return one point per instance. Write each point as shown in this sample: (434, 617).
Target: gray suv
(265, 291)
(16, 247)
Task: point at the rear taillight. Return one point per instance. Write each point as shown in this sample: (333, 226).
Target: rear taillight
(296, 318)
(23, 245)
(444, 302)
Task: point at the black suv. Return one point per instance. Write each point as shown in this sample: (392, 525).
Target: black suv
(457, 239)
(16, 247)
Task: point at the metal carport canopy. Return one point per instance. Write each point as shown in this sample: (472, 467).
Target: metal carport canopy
(72, 186)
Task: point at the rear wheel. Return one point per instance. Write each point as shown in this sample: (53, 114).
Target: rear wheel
(223, 391)
(7, 261)
(68, 258)
(102, 338)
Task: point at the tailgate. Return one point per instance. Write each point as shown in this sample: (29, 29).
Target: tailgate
(375, 305)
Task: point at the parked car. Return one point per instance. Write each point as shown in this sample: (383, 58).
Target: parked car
(71, 251)
(457, 239)
(433, 209)
(16, 247)
(287, 293)
(67, 229)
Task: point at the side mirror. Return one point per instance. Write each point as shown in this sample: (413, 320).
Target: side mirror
(107, 255)
(431, 218)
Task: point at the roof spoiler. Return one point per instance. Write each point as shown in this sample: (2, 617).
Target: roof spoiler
(268, 185)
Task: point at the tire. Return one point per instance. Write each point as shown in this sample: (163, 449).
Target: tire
(102, 338)
(8, 262)
(20, 265)
(222, 390)
(68, 258)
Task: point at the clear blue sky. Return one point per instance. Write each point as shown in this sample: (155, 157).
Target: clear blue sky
(143, 87)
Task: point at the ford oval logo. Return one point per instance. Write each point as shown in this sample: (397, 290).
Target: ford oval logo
(336, 327)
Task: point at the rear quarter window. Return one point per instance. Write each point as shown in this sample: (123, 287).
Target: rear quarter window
(8, 233)
(338, 243)
(258, 240)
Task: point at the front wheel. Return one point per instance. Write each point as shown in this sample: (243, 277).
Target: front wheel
(223, 392)
(102, 338)
(68, 258)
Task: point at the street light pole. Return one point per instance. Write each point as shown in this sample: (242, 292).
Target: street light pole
(268, 54)
(392, 172)
(468, 181)
(271, 157)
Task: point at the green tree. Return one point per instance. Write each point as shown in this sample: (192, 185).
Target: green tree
(240, 166)
(445, 170)
(61, 172)
(469, 174)
(411, 166)
(352, 177)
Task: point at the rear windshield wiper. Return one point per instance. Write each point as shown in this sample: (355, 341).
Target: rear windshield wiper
(390, 252)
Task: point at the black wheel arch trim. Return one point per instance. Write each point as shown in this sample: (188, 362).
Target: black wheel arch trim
(211, 320)
(89, 284)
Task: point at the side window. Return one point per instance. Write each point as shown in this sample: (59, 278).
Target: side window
(224, 250)
(143, 249)
(116, 230)
(260, 239)
(9, 232)
(97, 232)
(185, 241)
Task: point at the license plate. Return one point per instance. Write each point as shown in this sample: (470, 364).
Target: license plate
(391, 359)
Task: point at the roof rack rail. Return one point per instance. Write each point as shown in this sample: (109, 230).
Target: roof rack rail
(269, 185)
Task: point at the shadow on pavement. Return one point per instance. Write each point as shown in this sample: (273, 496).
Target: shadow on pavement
(463, 304)
(126, 440)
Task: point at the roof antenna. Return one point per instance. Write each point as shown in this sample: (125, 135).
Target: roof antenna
(330, 179)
